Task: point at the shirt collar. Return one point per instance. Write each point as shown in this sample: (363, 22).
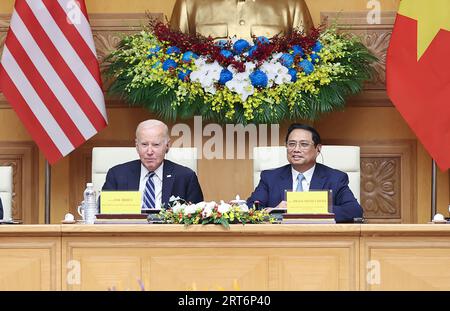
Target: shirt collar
(308, 174)
(158, 172)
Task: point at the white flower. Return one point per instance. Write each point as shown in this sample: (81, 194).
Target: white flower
(197, 74)
(207, 74)
(190, 209)
(200, 61)
(223, 207)
(205, 207)
(241, 84)
(244, 208)
(215, 69)
(283, 78)
(275, 72)
(207, 211)
(211, 204)
(178, 208)
(200, 205)
(210, 89)
(249, 67)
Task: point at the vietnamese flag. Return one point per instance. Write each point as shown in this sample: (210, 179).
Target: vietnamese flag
(418, 73)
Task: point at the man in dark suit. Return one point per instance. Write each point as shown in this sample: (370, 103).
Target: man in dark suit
(303, 173)
(166, 177)
(1, 209)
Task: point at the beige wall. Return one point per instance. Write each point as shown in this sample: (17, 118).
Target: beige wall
(355, 123)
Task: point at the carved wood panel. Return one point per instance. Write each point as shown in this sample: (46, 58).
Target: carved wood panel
(381, 180)
(388, 180)
(376, 38)
(24, 159)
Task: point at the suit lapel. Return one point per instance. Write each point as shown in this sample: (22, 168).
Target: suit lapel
(318, 179)
(285, 181)
(135, 176)
(168, 180)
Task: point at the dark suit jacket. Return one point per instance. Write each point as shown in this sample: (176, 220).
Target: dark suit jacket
(273, 183)
(1, 209)
(178, 180)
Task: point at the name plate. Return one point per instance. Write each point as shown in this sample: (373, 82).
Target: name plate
(307, 202)
(121, 202)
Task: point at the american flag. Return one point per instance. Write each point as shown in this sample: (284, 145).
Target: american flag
(49, 74)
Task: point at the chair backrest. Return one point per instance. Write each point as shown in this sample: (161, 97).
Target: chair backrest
(103, 158)
(343, 158)
(6, 187)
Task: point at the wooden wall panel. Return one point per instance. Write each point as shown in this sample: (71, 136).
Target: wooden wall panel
(241, 262)
(388, 180)
(23, 157)
(31, 263)
(407, 263)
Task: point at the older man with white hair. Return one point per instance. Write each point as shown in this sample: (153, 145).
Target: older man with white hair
(155, 176)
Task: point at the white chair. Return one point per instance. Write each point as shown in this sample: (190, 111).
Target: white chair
(6, 187)
(103, 158)
(343, 158)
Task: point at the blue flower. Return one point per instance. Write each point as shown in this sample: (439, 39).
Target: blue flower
(225, 76)
(226, 53)
(307, 66)
(262, 40)
(317, 47)
(169, 64)
(153, 51)
(173, 50)
(252, 50)
(287, 59)
(298, 50)
(293, 74)
(188, 56)
(240, 45)
(315, 58)
(157, 64)
(258, 78)
(184, 75)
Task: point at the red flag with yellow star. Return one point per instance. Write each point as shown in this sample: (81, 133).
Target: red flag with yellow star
(418, 73)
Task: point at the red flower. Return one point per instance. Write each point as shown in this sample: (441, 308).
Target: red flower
(207, 47)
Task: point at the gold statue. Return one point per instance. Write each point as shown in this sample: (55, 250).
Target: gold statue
(222, 19)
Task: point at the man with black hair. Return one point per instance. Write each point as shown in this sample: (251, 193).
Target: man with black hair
(303, 145)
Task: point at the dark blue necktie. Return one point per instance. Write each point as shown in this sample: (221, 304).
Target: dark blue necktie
(149, 192)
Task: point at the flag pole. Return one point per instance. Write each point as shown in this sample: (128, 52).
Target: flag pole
(433, 189)
(48, 174)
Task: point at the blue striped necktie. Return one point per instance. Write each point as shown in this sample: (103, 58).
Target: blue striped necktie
(300, 177)
(149, 192)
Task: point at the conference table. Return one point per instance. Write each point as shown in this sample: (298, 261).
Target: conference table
(210, 257)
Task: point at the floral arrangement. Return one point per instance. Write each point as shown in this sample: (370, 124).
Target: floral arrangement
(181, 212)
(265, 81)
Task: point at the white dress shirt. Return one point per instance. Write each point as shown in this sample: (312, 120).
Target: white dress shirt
(305, 181)
(157, 181)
